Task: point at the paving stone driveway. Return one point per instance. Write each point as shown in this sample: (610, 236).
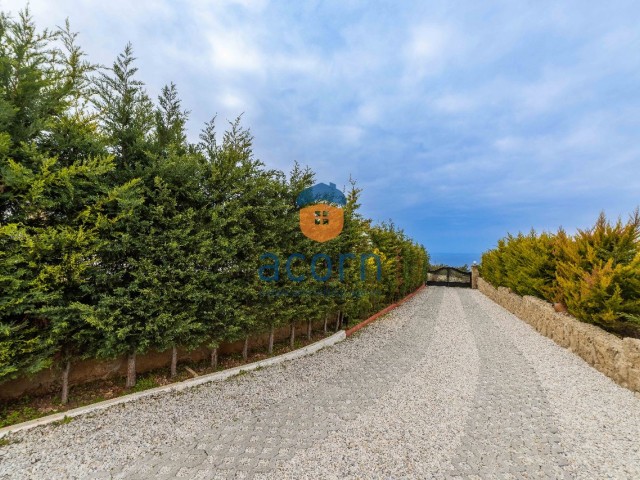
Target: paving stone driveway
(511, 428)
(448, 385)
(254, 442)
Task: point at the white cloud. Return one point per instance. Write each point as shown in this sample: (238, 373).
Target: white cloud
(428, 43)
(252, 5)
(369, 113)
(455, 103)
(233, 101)
(230, 52)
(428, 49)
(546, 93)
(507, 144)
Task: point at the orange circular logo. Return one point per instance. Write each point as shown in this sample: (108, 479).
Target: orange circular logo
(321, 215)
(321, 222)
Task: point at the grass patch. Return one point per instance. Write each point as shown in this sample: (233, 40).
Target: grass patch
(64, 421)
(19, 415)
(143, 384)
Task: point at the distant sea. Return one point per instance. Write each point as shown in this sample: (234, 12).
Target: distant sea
(454, 259)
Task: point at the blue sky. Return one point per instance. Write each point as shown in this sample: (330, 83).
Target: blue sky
(460, 120)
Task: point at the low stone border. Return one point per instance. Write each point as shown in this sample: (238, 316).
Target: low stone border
(174, 387)
(617, 358)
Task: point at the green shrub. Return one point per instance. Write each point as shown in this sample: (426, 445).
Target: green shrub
(595, 273)
(599, 272)
(492, 266)
(523, 263)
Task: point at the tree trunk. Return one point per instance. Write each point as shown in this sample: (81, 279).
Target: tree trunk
(338, 321)
(326, 318)
(245, 349)
(271, 335)
(292, 336)
(64, 395)
(309, 328)
(131, 370)
(214, 358)
(174, 361)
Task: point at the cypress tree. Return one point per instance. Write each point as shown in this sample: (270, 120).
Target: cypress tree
(54, 170)
(127, 120)
(172, 262)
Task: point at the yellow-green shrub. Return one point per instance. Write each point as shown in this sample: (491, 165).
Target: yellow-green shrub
(595, 272)
(598, 272)
(523, 263)
(492, 266)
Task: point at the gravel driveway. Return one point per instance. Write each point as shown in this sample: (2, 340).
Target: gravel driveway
(448, 385)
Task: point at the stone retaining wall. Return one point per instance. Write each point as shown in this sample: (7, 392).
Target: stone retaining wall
(617, 358)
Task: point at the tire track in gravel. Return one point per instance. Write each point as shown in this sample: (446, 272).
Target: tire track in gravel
(259, 440)
(413, 428)
(114, 442)
(511, 431)
(447, 385)
(599, 421)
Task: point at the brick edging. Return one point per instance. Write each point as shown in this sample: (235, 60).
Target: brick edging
(375, 316)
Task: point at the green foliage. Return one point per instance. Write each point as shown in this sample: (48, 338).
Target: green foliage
(144, 384)
(52, 170)
(18, 415)
(65, 420)
(595, 273)
(599, 271)
(524, 263)
(118, 236)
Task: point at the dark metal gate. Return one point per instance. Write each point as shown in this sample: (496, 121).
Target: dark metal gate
(449, 277)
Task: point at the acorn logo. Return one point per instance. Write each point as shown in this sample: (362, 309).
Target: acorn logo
(321, 215)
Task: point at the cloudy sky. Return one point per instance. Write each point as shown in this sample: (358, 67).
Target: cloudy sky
(461, 120)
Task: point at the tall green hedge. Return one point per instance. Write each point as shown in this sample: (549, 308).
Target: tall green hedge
(595, 273)
(118, 236)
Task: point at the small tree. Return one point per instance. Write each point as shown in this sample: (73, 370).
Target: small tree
(53, 170)
(126, 119)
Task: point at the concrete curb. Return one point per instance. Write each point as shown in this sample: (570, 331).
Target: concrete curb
(178, 386)
(375, 316)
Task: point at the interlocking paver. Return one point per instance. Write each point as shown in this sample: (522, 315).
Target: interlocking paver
(291, 427)
(511, 416)
(369, 415)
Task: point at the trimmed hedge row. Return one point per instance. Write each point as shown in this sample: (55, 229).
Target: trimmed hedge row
(118, 235)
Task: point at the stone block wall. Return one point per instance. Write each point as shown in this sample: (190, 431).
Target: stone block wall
(475, 274)
(617, 358)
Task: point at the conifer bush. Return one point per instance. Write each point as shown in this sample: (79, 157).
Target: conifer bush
(598, 272)
(595, 273)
